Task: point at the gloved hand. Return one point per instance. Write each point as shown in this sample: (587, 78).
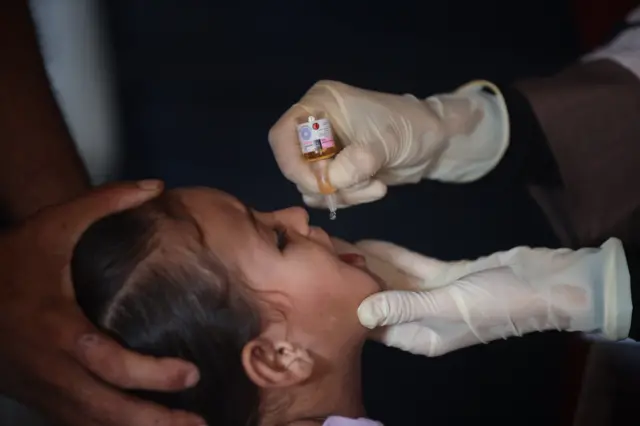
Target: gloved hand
(392, 139)
(511, 293)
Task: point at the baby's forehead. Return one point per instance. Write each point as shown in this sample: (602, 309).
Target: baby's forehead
(175, 230)
(218, 215)
(219, 222)
(199, 197)
(172, 236)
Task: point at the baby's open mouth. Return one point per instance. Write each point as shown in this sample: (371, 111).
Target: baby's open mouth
(353, 259)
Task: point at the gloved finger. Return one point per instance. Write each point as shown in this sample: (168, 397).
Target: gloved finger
(315, 201)
(129, 370)
(283, 139)
(354, 164)
(359, 185)
(407, 261)
(399, 307)
(413, 337)
(362, 185)
(341, 246)
(367, 192)
(372, 190)
(391, 277)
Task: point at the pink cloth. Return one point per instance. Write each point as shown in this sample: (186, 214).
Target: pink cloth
(345, 421)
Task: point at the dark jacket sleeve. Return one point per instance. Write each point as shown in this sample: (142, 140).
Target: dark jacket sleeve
(589, 118)
(528, 156)
(633, 261)
(532, 157)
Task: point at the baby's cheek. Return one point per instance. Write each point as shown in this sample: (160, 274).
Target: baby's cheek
(320, 312)
(363, 283)
(333, 290)
(318, 299)
(309, 289)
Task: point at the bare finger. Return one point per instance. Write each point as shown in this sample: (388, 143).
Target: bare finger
(129, 370)
(79, 399)
(111, 408)
(153, 415)
(114, 364)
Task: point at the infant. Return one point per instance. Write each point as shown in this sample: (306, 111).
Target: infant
(261, 303)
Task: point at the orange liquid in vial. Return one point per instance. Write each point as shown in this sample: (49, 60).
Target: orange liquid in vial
(321, 154)
(316, 139)
(320, 170)
(318, 147)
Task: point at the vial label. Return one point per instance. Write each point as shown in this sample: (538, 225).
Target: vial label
(315, 136)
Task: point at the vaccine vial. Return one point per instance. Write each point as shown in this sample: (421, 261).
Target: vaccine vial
(316, 139)
(318, 147)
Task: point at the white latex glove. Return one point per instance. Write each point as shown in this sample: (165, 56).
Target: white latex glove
(378, 267)
(506, 294)
(392, 139)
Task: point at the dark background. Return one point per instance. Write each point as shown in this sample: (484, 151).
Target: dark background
(202, 81)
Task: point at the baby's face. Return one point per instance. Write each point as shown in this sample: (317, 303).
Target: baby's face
(288, 264)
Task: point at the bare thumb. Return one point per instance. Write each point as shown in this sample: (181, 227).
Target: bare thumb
(79, 214)
(354, 164)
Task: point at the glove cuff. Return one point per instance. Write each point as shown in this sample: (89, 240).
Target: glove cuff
(618, 307)
(468, 157)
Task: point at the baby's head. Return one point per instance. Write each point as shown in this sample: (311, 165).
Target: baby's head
(259, 302)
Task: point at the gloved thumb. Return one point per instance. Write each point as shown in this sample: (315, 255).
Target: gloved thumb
(413, 337)
(396, 307)
(355, 164)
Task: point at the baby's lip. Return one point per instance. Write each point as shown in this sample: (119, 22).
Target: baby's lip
(353, 259)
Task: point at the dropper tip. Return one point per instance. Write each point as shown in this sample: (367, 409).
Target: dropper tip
(332, 203)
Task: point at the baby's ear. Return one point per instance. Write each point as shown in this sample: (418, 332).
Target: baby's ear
(276, 364)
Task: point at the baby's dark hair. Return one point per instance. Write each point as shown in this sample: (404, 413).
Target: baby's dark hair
(145, 277)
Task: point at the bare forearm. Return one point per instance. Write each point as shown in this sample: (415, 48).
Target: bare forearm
(39, 164)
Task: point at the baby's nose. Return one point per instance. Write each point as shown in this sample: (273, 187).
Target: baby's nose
(298, 219)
